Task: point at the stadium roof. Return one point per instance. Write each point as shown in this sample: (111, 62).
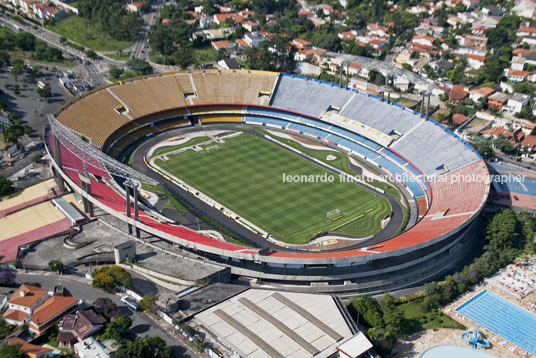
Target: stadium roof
(266, 323)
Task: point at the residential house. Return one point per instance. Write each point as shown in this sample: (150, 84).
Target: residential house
(354, 69)
(76, 327)
(518, 63)
(23, 302)
(457, 94)
(222, 18)
(31, 350)
(517, 102)
(475, 61)
(529, 143)
(90, 348)
(493, 132)
(348, 35)
(478, 93)
(52, 310)
(515, 137)
(222, 45)
(498, 100)
(459, 119)
(250, 26)
(253, 39)
(229, 64)
(134, 6)
(301, 44)
(470, 4)
(515, 75)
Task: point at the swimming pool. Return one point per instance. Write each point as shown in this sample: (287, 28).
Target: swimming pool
(454, 351)
(502, 317)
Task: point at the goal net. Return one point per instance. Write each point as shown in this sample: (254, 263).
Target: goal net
(214, 147)
(334, 214)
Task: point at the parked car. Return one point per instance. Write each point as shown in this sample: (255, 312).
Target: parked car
(130, 303)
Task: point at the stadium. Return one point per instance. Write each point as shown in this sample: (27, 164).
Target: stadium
(225, 142)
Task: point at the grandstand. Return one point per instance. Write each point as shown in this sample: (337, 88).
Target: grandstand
(448, 208)
(308, 96)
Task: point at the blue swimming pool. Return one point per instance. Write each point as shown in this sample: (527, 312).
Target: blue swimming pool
(454, 351)
(502, 317)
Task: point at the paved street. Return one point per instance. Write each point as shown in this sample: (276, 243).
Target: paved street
(142, 325)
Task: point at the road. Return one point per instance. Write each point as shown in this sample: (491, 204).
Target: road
(141, 48)
(142, 326)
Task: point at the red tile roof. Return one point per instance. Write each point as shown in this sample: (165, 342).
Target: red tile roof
(221, 44)
(31, 295)
(459, 118)
(518, 73)
(30, 349)
(476, 57)
(529, 141)
(52, 307)
(457, 93)
(15, 315)
(527, 29)
(484, 91)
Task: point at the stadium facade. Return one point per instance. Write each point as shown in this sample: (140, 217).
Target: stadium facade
(443, 177)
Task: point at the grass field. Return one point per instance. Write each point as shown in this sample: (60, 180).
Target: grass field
(79, 29)
(246, 175)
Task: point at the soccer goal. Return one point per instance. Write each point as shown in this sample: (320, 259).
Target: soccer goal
(214, 147)
(334, 214)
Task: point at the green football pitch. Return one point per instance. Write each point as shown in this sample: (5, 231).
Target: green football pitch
(246, 175)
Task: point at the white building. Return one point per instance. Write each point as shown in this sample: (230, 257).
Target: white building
(517, 102)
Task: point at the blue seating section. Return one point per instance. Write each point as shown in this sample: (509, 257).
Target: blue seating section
(353, 146)
(307, 129)
(382, 116)
(429, 146)
(354, 136)
(308, 96)
(267, 120)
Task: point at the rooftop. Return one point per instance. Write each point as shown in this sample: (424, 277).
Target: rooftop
(52, 307)
(499, 97)
(29, 349)
(27, 295)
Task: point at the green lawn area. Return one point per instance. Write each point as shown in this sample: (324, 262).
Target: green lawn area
(246, 175)
(417, 320)
(173, 202)
(120, 56)
(205, 54)
(80, 30)
(193, 141)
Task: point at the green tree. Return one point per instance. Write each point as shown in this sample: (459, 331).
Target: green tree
(55, 265)
(502, 232)
(44, 92)
(11, 351)
(369, 311)
(6, 186)
(147, 302)
(153, 347)
(18, 69)
(91, 54)
(114, 73)
(140, 66)
(124, 322)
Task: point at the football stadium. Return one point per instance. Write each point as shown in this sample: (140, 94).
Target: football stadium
(309, 186)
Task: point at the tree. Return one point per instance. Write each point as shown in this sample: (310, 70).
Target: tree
(18, 69)
(104, 281)
(502, 231)
(5, 329)
(12, 351)
(153, 347)
(6, 186)
(7, 278)
(140, 66)
(106, 307)
(114, 73)
(91, 54)
(147, 302)
(44, 92)
(485, 150)
(55, 265)
(369, 311)
(124, 322)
